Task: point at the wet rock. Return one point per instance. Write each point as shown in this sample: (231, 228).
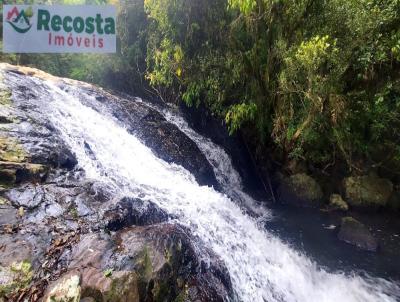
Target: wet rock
(166, 256)
(367, 192)
(14, 173)
(11, 151)
(22, 247)
(8, 215)
(336, 202)
(15, 249)
(173, 146)
(355, 233)
(65, 289)
(29, 137)
(14, 278)
(133, 211)
(29, 196)
(148, 263)
(300, 189)
(8, 177)
(82, 209)
(54, 210)
(15, 163)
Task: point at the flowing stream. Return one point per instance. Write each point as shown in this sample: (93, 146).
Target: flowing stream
(261, 266)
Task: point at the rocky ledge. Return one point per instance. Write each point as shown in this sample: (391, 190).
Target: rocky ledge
(67, 238)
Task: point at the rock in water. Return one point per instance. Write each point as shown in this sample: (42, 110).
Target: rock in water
(133, 211)
(354, 232)
(336, 202)
(300, 189)
(367, 192)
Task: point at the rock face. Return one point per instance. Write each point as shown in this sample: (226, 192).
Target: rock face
(66, 238)
(355, 233)
(300, 189)
(129, 211)
(367, 192)
(151, 263)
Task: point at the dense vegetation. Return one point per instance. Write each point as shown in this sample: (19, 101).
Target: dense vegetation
(314, 81)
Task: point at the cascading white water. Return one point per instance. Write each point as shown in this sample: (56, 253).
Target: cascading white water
(226, 174)
(261, 266)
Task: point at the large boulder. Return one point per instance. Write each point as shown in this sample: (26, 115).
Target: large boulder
(300, 189)
(149, 263)
(367, 192)
(354, 232)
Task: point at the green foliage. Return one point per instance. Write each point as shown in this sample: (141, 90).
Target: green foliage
(239, 114)
(319, 80)
(108, 272)
(21, 274)
(183, 37)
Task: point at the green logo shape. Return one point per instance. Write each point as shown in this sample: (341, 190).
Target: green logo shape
(21, 23)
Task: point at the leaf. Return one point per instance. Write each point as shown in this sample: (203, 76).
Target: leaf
(108, 272)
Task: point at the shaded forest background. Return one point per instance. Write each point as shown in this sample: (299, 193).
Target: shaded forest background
(309, 81)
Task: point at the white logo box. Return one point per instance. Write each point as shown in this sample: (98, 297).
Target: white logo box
(59, 28)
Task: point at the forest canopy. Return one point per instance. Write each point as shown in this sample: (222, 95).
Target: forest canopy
(316, 81)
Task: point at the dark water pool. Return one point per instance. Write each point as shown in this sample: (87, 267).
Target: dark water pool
(315, 233)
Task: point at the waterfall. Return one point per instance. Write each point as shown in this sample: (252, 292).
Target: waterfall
(226, 174)
(261, 266)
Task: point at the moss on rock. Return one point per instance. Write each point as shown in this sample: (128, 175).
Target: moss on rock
(12, 151)
(5, 97)
(367, 192)
(301, 189)
(67, 289)
(145, 267)
(15, 278)
(3, 201)
(123, 289)
(12, 173)
(336, 202)
(14, 164)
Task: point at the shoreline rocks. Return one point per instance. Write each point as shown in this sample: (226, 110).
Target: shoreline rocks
(300, 190)
(367, 192)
